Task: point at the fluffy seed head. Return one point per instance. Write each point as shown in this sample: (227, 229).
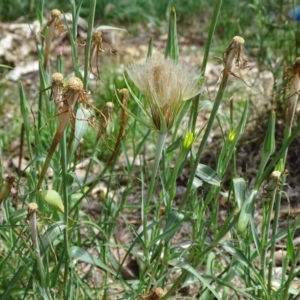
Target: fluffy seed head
(75, 84)
(159, 292)
(32, 207)
(55, 13)
(239, 39)
(110, 106)
(166, 84)
(57, 77)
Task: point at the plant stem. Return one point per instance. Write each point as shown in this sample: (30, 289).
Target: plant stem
(161, 138)
(88, 42)
(209, 125)
(62, 124)
(63, 149)
(214, 19)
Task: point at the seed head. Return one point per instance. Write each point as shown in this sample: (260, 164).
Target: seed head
(166, 84)
(75, 84)
(110, 106)
(55, 13)
(97, 36)
(32, 208)
(234, 54)
(57, 77)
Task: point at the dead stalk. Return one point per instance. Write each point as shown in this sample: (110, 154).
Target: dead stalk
(53, 23)
(73, 92)
(98, 46)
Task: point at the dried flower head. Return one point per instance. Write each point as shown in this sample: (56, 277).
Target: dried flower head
(154, 294)
(273, 182)
(57, 89)
(234, 54)
(10, 182)
(166, 84)
(74, 91)
(98, 46)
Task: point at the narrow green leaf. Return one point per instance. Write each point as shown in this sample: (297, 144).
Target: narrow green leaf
(82, 255)
(289, 245)
(150, 47)
(51, 235)
(208, 175)
(174, 221)
(246, 212)
(81, 126)
(5, 66)
(239, 187)
(195, 273)
(17, 216)
(172, 50)
(269, 142)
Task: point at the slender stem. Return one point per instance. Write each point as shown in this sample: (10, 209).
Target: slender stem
(214, 19)
(63, 149)
(62, 124)
(265, 241)
(209, 125)
(159, 147)
(74, 40)
(88, 42)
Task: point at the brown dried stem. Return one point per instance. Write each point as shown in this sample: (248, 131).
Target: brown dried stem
(65, 109)
(53, 23)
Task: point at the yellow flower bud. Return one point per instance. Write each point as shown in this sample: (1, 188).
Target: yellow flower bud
(188, 140)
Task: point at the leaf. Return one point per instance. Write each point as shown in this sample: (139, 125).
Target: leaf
(17, 216)
(53, 199)
(174, 220)
(197, 182)
(208, 175)
(81, 126)
(82, 255)
(239, 187)
(5, 66)
(246, 212)
(204, 281)
(51, 235)
(172, 49)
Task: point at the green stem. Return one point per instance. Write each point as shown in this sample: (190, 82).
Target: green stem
(214, 19)
(278, 155)
(265, 242)
(63, 149)
(145, 204)
(88, 42)
(73, 38)
(209, 125)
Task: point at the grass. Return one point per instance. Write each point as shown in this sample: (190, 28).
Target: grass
(51, 248)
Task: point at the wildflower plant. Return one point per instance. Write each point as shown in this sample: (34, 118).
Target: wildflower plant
(54, 249)
(166, 85)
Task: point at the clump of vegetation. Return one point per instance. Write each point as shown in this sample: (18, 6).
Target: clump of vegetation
(52, 249)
